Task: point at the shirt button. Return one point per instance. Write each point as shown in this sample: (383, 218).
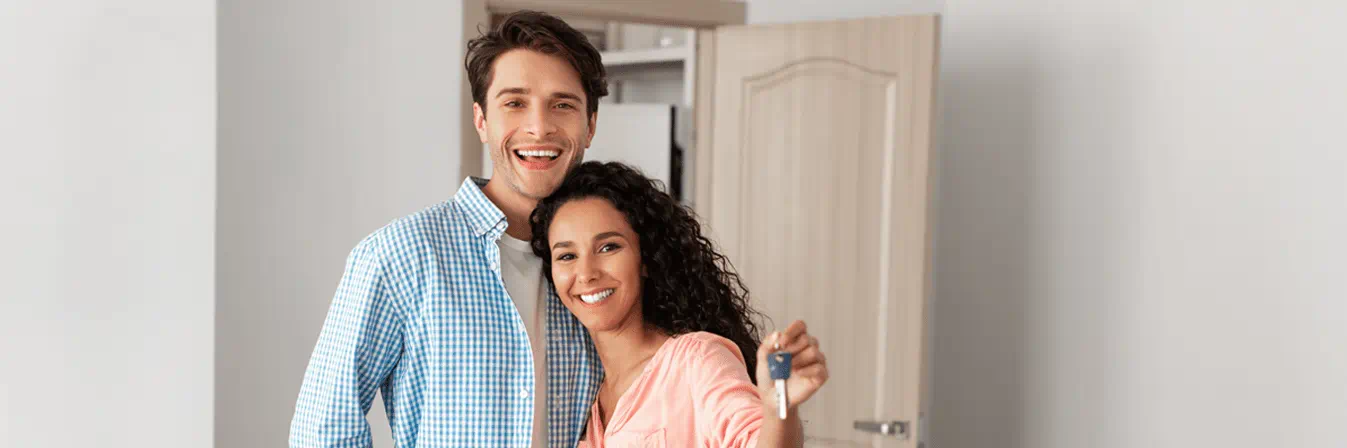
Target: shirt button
(523, 393)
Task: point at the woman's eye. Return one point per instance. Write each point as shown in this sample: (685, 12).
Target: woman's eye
(609, 247)
(565, 257)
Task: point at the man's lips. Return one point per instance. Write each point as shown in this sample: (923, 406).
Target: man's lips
(536, 157)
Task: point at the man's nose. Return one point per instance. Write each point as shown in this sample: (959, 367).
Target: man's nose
(538, 122)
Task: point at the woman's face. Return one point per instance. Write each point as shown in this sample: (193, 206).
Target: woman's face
(596, 264)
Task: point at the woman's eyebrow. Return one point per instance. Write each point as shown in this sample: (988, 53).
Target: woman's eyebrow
(609, 234)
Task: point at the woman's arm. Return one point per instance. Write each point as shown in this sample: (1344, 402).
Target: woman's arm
(780, 433)
(734, 413)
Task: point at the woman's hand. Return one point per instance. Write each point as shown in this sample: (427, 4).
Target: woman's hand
(809, 368)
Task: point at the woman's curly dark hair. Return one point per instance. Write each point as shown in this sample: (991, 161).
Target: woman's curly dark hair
(690, 285)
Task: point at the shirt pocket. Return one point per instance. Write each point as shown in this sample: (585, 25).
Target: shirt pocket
(634, 439)
(653, 440)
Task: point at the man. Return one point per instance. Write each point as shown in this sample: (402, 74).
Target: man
(446, 311)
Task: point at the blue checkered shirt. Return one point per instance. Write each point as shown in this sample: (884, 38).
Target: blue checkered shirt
(422, 315)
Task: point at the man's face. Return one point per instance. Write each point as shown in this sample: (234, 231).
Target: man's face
(534, 120)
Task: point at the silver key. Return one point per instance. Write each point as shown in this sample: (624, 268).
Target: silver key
(778, 364)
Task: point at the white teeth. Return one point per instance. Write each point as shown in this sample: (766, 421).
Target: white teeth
(538, 153)
(596, 297)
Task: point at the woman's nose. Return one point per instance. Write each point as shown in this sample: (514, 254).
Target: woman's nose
(587, 271)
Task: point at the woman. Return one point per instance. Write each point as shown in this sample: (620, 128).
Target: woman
(670, 321)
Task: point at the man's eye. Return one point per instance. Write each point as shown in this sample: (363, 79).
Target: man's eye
(566, 106)
(513, 103)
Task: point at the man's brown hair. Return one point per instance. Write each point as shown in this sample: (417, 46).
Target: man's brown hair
(545, 34)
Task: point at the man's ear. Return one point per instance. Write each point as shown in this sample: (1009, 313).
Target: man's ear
(593, 121)
(479, 121)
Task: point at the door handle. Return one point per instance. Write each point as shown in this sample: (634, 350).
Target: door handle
(894, 428)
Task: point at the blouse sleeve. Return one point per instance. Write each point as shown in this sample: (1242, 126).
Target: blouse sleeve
(728, 407)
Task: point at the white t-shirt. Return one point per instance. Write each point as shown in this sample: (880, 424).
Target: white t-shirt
(523, 275)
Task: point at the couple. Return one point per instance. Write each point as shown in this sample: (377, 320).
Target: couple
(556, 304)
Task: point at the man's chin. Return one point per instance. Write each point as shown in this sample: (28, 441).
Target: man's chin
(537, 190)
(537, 185)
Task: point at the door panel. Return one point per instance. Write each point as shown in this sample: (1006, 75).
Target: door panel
(816, 186)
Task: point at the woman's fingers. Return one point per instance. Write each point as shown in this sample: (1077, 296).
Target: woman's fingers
(795, 346)
(809, 367)
(767, 346)
(793, 339)
(805, 381)
(792, 332)
(816, 371)
(809, 355)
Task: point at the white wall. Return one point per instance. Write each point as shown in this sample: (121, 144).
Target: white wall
(335, 118)
(107, 180)
(1141, 225)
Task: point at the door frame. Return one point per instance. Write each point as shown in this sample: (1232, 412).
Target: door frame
(913, 432)
(696, 14)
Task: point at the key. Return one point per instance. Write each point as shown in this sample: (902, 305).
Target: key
(778, 364)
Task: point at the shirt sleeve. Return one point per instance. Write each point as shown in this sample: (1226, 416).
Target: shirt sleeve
(729, 409)
(360, 342)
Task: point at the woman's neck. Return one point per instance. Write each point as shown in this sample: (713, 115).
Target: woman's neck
(624, 351)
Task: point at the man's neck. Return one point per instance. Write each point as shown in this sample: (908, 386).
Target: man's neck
(516, 207)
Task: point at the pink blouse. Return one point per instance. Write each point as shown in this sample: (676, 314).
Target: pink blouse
(695, 392)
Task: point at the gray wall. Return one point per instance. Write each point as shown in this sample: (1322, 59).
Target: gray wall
(1138, 235)
(779, 11)
(107, 180)
(335, 118)
(1141, 221)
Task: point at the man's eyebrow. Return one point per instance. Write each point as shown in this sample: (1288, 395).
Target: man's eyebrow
(512, 90)
(567, 96)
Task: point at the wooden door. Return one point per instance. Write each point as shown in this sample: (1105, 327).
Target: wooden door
(812, 167)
